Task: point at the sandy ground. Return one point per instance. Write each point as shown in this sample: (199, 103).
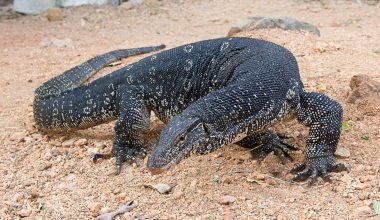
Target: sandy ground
(42, 178)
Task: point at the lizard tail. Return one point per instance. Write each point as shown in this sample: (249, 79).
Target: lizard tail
(74, 77)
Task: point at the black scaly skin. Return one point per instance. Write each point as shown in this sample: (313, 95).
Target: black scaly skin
(62, 104)
(243, 86)
(210, 93)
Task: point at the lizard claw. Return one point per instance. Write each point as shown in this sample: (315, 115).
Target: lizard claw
(274, 143)
(317, 167)
(128, 155)
(96, 156)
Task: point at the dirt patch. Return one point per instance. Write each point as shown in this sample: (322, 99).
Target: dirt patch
(42, 178)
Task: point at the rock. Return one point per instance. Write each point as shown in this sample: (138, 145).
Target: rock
(363, 87)
(105, 209)
(346, 179)
(365, 178)
(28, 140)
(361, 186)
(24, 212)
(342, 153)
(363, 211)
(55, 143)
(5, 2)
(17, 136)
(272, 182)
(364, 195)
(60, 43)
(80, 142)
(44, 166)
(18, 198)
(240, 26)
(95, 207)
(193, 184)
(55, 152)
(122, 197)
(285, 23)
(162, 188)
(68, 143)
(130, 4)
(92, 150)
(227, 180)
(47, 156)
(54, 14)
(177, 194)
(32, 7)
(71, 3)
(260, 176)
(99, 145)
(358, 168)
(226, 200)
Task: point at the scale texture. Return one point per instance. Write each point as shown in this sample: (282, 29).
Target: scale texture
(210, 93)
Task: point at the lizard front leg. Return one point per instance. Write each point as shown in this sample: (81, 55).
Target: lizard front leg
(324, 117)
(132, 122)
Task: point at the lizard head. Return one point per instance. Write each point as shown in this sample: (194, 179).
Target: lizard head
(179, 138)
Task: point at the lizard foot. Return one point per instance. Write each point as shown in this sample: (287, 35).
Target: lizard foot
(320, 166)
(128, 155)
(273, 143)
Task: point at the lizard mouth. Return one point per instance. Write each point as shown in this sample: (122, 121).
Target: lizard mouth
(156, 170)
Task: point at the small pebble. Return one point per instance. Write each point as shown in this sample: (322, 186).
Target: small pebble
(227, 180)
(55, 152)
(272, 182)
(363, 211)
(260, 176)
(346, 179)
(28, 140)
(44, 166)
(122, 197)
(193, 184)
(99, 144)
(226, 200)
(105, 210)
(18, 198)
(68, 143)
(54, 14)
(361, 186)
(342, 153)
(365, 178)
(17, 136)
(55, 143)
(80, 142)
(364, 195)
(177, 194)
(95, 207)
(47, 156)
(24, 212)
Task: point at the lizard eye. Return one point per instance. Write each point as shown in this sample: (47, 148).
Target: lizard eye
(181, 138)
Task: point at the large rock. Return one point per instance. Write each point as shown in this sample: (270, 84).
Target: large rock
(260, 22)
(363, 87)
(32, 7)
(38, 6)
(70, 3)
